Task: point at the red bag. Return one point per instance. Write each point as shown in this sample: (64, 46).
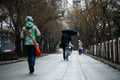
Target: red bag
(38, 51)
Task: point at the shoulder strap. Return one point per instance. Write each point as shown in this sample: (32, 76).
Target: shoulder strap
(30, 36)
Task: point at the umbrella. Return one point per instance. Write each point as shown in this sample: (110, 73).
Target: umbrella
(69, 31)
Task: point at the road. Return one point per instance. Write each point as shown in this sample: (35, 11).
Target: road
(53, 67)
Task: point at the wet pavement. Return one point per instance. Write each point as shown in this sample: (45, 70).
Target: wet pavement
(53, 67)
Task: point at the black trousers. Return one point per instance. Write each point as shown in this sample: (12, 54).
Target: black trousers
(30, 49)
(64, 53)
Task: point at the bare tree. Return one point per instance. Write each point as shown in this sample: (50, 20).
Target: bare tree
(44, 13)
(96, 21)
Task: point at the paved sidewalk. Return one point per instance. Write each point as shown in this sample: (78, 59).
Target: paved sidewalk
(53, 67)
(114, 65)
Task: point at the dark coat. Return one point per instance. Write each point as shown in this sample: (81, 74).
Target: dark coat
(65, 39)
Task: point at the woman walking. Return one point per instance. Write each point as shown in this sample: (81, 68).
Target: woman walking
(29, 45)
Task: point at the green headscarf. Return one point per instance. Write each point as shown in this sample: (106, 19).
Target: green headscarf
(29, 24)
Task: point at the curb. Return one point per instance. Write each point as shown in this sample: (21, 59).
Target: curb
(116, 66)
(18, 60)
(9, 62)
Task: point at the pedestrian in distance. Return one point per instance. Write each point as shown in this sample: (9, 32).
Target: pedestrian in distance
(29, 45)
(80, 48)
(65, 39)
(71, 47)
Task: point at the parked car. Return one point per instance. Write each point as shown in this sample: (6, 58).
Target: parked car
(9, 50)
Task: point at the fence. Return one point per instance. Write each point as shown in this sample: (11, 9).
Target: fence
(109, 50)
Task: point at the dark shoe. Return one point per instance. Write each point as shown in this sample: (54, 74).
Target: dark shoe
(31, 68)
(66, 59)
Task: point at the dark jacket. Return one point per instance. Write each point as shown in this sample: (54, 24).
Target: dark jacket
(65, 39)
